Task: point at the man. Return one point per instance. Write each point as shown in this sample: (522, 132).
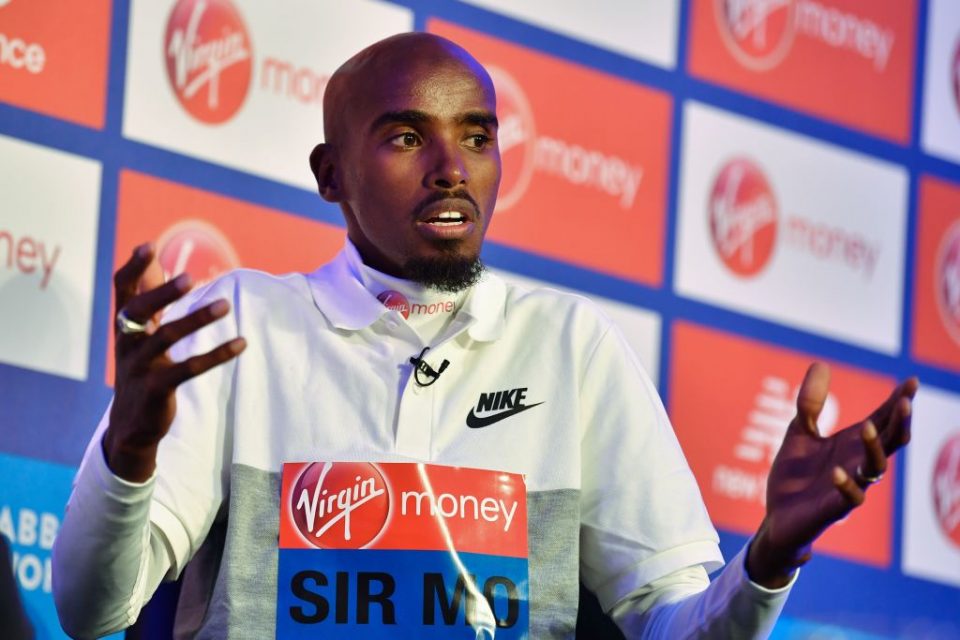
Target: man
(411, 158)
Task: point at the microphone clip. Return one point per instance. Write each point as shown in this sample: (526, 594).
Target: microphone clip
(421, 367)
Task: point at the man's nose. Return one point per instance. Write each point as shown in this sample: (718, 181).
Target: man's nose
(449, 169)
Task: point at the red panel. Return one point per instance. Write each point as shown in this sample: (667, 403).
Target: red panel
(731, 400)
(846, 60)
(585, 159)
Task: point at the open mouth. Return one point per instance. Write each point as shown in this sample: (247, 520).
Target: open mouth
(446, 219)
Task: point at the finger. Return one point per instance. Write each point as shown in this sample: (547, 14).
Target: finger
(144, 306)
(812, 396)
(179, 373)
(896, 432)
(875, 463)
(152, 278)
(906, 389)
(127, 276)
(849, 490)
(168, 334)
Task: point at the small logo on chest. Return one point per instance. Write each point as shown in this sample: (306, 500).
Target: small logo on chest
(498, 405)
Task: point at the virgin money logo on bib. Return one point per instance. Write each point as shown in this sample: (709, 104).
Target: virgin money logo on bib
(946, 488)
(198, 248)
(947, 276)
(516, 137)
(757, 32)
(209, 58)
(743, 217)
(328, 499)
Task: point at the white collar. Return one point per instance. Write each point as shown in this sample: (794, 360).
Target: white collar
(345, 302)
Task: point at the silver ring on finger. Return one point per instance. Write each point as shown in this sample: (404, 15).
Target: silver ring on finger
(865, 479)
(126, 326)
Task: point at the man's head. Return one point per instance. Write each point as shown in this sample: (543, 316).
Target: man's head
(411, 157)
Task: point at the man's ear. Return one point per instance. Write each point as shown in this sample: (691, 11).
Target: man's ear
(324, 168)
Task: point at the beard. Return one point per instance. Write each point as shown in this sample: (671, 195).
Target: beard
(447, 272)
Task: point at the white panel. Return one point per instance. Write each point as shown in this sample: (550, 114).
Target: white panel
(294, 46)
(642, 29)
(640, 327)
(836, 264)
(48, 242)
(929, 551)
(941, 95)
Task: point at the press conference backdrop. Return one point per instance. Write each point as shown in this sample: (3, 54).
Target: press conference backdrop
(744, 185)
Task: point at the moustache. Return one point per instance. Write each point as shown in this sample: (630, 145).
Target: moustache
(456, 194)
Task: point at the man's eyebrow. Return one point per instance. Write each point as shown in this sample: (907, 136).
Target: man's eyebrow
(480, 118)
(406, 116)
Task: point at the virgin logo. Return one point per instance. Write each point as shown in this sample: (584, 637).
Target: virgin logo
(946, 488)
(197, 248)
(396, 301)
(340, 505)
(947, 280)
(743, 217)
(516, 138)
(759, 33)
(209, 60)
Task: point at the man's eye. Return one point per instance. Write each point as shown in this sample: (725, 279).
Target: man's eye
(479, 141)
(407, 139)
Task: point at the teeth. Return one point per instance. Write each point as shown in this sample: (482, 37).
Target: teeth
(448, 219)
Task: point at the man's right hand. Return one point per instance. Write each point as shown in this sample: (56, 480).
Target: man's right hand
(146, 378)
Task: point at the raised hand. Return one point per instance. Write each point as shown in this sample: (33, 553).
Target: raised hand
(815, 481)
(144, 404)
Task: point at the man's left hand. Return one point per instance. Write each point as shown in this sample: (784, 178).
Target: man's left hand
(816, 481)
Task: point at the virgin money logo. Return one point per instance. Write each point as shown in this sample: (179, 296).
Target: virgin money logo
(946, 488)
(197, 248)
(743, 217)
(340, 505)
(209, 60)
(524, 152)
(947, 280)
(758, 33)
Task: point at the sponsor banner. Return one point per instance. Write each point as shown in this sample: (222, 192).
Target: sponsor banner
(205, 234)
(643, 30)
(845, 60)
(790, 229)
(53, 57)
(639, 326)
(731, 425)
(931, 512)
(936, 309)
(574, 188)
(411, 548)
(239, 82)
(48, 245)
(941, 83)
(32, 498)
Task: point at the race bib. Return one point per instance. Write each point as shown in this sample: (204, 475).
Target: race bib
(401, 550)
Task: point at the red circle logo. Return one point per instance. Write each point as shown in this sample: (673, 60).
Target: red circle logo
(743, 217)
(759, 33)
(946, 488)
(209, 58)
(197, 248)
(340, 505)
(396, 301)
(947, 280)
(516, 138)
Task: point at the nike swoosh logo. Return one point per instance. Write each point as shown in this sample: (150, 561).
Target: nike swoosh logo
(476, 422)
